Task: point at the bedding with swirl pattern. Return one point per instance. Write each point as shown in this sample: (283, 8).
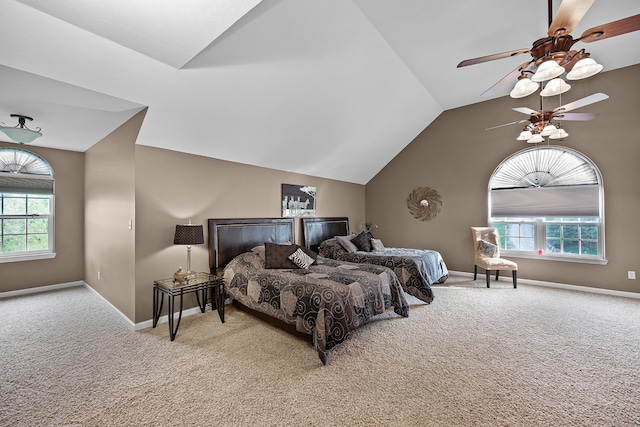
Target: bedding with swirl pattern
(328, 300)
(417, 269)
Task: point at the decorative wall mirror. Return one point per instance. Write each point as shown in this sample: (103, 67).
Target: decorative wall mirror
(424, 203)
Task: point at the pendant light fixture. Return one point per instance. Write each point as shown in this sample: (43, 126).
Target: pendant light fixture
(21, 133)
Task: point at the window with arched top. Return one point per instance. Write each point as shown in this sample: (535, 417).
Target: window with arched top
(26, 206)
(548, 202)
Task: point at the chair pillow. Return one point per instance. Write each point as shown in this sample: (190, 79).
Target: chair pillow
(301, 259)
(487, 249)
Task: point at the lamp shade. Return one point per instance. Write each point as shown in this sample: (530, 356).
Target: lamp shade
(20, 135)
(555, 87)
(547, 71)
(584, 68)
(548, 130)
(524, 87)
(559, 134)
(524, 135)
(535, 139)
(188, 234)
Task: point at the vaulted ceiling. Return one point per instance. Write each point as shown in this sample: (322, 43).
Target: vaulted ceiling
(330, 88)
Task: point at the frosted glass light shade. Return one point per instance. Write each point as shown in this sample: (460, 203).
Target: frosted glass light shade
(559, 134)
(584, 68)
(547, 71)
(536, 138)
(524, 87)
(548, 130)
(555, 87)
(21, 135)
(524, 135)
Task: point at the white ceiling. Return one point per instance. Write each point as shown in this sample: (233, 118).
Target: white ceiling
(330, 88)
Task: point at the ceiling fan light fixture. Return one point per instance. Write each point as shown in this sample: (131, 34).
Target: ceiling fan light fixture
(584, 68)
(524, 135)
(548, 130)
(555, 87)
(21, 133)
(547, 70)
(535, 139)
(558, 134)
(524, 87)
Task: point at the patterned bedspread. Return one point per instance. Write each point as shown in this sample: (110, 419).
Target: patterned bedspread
(328, 300)
(417, 269)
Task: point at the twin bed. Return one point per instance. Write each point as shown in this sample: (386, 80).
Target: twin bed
(417, 269)
(320, 299)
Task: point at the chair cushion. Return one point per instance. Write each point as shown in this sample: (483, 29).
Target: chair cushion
(487, 249)
(496, 264)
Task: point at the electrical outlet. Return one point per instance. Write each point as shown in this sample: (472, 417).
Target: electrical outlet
(631, 275)
(98, 275)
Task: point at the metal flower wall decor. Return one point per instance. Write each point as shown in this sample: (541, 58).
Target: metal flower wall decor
(424, 203)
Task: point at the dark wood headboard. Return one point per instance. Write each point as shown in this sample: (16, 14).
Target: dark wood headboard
(231, 237)
(316, 230)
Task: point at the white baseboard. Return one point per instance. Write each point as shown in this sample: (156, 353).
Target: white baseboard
(564, 286)
(39, 289)
(134, 326)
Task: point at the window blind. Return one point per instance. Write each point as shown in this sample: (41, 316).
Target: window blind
(560, 201)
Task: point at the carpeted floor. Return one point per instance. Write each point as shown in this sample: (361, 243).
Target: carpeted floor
(530, 356)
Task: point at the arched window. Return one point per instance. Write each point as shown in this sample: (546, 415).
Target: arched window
(26, 206)
(548, 201)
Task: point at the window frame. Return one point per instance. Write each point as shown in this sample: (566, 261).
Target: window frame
(29, 255)
(540, 223)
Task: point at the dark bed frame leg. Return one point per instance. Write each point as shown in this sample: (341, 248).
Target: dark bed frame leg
(488, 274)
(475, 272)
(515, 278)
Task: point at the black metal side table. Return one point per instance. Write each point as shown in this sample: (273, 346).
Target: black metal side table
(203, 284)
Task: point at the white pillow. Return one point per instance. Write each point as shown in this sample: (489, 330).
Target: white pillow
(377, 245)
(345, 242)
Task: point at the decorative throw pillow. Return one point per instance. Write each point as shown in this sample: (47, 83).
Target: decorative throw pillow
(277, 255)
(376, 245)
(345, 242)
(309, 253)
(301, 259)
(487, 249)
(362, 242)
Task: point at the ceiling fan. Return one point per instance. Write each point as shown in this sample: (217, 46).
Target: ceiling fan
(557, 46)
(541, 121)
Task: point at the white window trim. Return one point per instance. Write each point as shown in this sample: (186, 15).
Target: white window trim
(35, 255)
(23, 256)
(584, 259)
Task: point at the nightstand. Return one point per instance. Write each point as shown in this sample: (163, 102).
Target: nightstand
(204, 285)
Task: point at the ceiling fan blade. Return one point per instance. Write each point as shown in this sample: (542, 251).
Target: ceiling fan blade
(501, 87)
(488, 58)
(574, 116)
(525, 110)
(570, 13)
(591, 99)
(507, 124)
(615, 28)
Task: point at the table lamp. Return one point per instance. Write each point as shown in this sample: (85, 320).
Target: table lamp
(188, 234)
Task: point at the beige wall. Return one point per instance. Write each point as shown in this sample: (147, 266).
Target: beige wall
(67, 266)
(173, 187)
(109, 201)
(456, 156)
